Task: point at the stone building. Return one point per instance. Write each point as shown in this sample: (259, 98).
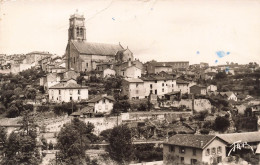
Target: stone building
(85, 56)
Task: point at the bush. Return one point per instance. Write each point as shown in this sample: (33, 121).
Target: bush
(221, 124)
(204, 131)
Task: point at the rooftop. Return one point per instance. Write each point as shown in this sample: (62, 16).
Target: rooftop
(190, 140)
(90, 48)
(65, 85)
(100, 98)
(133, 80)
(244, 137)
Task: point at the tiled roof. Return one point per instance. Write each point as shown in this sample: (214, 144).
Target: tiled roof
(96, 48)
(200, 86)
(182, 82)
(64, 85)
(100, 98)
(133, 80)
(244, 137)
(190, 140)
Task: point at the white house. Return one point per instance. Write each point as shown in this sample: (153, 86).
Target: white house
(68, 91)
(131, 72)
(212, 88)
(108, 72)
(159, 85)
(228, 95)
(133, 88)
(102, 104)
(182, 86)
(194, 149)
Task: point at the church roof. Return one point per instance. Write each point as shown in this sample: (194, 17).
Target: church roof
(96, 48)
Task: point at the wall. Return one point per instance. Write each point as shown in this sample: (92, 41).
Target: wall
(65, 95)
(188, 155)
(131, 72)
(104, 106)
(103, 123)
(199, 104)
(215, 143)
(108, 72)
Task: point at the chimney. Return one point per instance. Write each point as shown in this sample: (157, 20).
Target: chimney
(201, 143)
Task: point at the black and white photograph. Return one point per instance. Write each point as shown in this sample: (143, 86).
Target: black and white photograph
(129, 82)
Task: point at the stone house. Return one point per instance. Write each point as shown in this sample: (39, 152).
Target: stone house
(102, 104)
(193, 149)
(68, 91)
(133, 88)
(198, 89)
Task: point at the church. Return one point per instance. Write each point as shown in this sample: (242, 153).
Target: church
(85, 56)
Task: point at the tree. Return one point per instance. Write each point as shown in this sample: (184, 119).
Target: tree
(120, 144)
(21, 146)
(73, 140)
(221, 123)
(221, 75)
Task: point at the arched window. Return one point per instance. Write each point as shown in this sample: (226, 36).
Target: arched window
(81, 32)
(77, 31)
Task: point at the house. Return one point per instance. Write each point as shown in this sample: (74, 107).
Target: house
(198, 89)
(159, 84)
(193, 149)
(36, 56)
(212, 88)
(102, 104)
(182, 86)
(82, 55)
(130, 72)
(133, 88)
(228, 95)
(252, 139)
(108, 72)
(68, 91)
(103, 66)
(124, 55)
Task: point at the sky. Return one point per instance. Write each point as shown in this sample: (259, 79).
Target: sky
(212, 31)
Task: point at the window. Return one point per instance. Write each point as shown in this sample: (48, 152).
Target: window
(151, 91)
(207, 152)
(137, 84)
(193, 161)
(155, 81)
(213, 151)
(151, 86)
(219, 159)
(194, 151)
(59, 98)
(163, 84)
(104, 101)
(162, 90)
(182, 160)
(172, 149)
(70, 98)
(59, 92)
(79, 98)
(219, 150)
(172, 85)
(79, 92)
(52, 98)
(155, 92)
(182, 150)
(87, 65)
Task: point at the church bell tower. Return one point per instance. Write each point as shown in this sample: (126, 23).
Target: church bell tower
(77, 30)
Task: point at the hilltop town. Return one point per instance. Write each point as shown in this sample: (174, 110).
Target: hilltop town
(99, 104)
